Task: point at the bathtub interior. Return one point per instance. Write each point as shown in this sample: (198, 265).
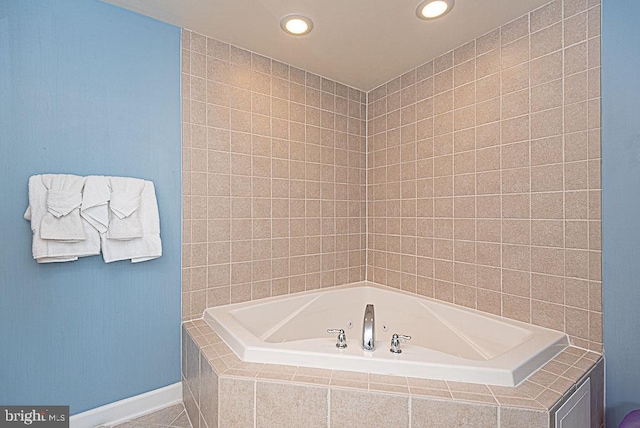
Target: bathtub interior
(431, 325)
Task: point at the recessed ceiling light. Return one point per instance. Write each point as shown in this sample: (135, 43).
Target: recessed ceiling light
(295, 24)
(430, 9)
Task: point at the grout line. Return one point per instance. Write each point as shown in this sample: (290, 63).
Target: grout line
(328, 406)
(530, 178)
(475, 169)
(366, 188)
(564, 175)
(409, 401)
(500, 78)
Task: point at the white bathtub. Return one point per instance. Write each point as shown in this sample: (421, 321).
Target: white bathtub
(448, 342)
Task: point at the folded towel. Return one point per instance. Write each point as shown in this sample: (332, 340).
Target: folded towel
(61, 203)
(62, 221)
(134, 223)
(124, 204)
(95, 200)
(50, 197)
(124, 208)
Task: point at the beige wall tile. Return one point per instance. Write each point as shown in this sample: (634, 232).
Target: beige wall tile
(208, 392)
(546, 16)
(488, 135)
(517, 231)
(546, 123)
(488, 301)
(575, 58)
(433, 413)
(547, 260)
(516, 78)
(516, 282)
(486, 88)
(280, 405)
(443, 62)
(236, 402)
(593, 49)
(514, 30)
(516, 206)
(546, 96)
(351, 408)
(547, 288)
(576, 146)
(516, 257)
(548, 233)
(515, 104)
(547, 151)
(488, 42)
(546, 68)
(522, 418)
(464, 72)
(488, 159)
(594, 20)
(546, 41)
(577, 322)
(516, 180)
(517, 308)
(516, 129)
(547, 178)
(571, 7)
(488, 63)
(489, 278)
(547, 315)
(515, 53)
(547, 205)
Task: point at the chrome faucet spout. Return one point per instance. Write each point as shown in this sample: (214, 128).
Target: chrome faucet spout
(369, 329)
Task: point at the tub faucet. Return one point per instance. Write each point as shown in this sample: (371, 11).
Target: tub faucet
(368, 329)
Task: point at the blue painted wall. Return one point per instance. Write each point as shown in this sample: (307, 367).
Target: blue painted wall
(621, 205)
(87, 88)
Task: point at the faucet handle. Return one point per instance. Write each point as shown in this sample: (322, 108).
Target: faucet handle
(396, 339)
(342, 338)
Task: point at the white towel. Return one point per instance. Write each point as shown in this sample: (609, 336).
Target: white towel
(50, 197)
(124, 208)
(134, 223)
(61, 221)
(95, 200)
(37, 247)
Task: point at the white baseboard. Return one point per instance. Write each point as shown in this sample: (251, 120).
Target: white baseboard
(129, 408)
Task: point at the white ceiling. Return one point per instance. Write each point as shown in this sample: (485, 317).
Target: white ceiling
(361, 43)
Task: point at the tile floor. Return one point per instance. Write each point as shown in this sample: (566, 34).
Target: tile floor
(170, 417)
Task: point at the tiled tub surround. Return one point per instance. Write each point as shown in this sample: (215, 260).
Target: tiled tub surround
(220, 390)
(448, 342)
(482, 184)
(273, 177)
(484, 174)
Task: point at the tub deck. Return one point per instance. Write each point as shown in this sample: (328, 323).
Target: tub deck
(448, 342)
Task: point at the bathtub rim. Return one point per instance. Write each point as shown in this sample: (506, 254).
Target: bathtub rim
(249, 348)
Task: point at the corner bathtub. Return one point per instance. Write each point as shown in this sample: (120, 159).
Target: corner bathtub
(447, 342)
